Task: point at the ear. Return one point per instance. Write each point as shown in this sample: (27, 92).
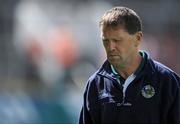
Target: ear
(138, 37)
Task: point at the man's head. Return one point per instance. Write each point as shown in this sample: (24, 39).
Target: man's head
(121, 16)
(121, 33)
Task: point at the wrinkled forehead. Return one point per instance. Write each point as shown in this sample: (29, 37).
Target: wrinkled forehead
(113, 31)
(105, 29)
(113, 26)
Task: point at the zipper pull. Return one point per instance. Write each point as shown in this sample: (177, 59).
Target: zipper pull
(121, 103)
(123, 98)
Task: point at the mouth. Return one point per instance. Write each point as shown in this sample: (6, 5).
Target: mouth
(113, 55)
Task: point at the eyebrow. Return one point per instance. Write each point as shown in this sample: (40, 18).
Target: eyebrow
(116, 38)
(119, 38)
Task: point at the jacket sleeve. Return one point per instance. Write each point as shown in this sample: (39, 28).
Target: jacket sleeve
(90, 113)
(85, 117)
(174, 113)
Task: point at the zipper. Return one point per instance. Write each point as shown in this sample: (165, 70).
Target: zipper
(127, 82)
(112, 79)
(117, 82)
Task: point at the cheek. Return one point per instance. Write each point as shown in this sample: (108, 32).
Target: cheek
(132, 44)
(105, 49)
(135, 44)
(127, 49)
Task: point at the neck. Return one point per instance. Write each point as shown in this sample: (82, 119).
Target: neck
(130, 67)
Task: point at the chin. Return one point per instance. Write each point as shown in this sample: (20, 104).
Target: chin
(114, 62)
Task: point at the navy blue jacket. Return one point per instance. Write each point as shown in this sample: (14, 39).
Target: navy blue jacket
(153, 97)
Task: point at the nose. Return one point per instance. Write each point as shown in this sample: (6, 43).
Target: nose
(112, 46)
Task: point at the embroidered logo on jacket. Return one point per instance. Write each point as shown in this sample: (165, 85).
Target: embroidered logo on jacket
(104, 94)
(148, 91)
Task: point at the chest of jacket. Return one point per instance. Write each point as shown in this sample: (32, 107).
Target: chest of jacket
(140, 104)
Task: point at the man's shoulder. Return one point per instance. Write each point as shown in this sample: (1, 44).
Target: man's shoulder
(164, 75)
(101, 71)
(164, 70)
(93, 76)
(92, 82)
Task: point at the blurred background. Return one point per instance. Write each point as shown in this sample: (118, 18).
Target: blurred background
(49, 48)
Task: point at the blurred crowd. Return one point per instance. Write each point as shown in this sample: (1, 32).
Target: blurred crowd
(49, 48)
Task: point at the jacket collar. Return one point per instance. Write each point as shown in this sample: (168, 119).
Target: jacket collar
(149, 68)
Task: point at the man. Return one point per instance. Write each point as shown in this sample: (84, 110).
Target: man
(130, 87)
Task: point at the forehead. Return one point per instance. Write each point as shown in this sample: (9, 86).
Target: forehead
(113, 32)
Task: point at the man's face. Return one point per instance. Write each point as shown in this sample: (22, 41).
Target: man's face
(121, 47)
